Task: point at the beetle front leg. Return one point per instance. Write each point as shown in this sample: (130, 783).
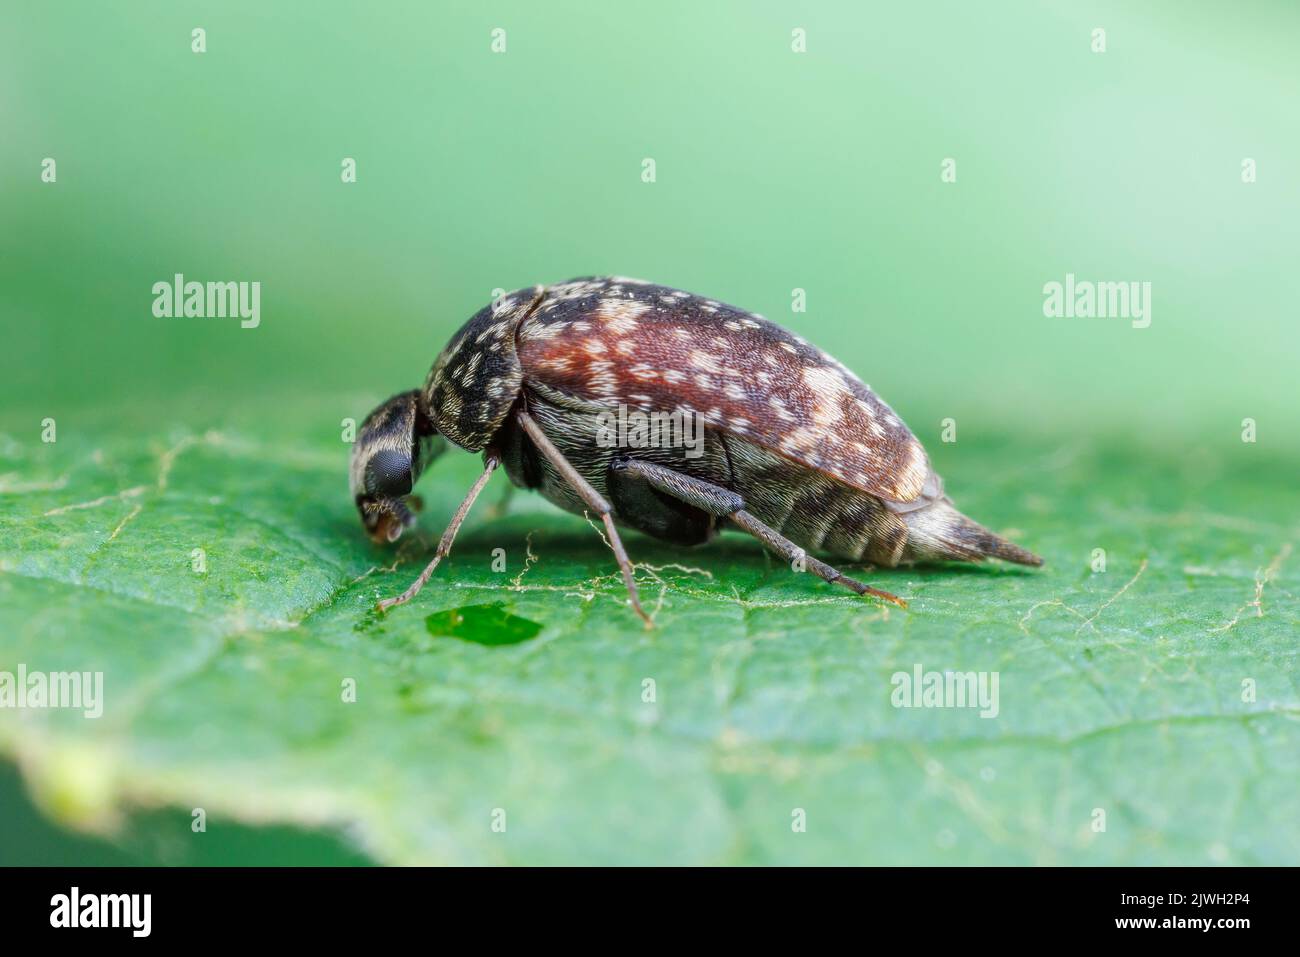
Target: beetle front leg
(725, 503)
(490, 463)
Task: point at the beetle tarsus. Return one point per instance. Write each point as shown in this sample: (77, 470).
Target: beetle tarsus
(856, 586)
(836, 577)
(415, 587)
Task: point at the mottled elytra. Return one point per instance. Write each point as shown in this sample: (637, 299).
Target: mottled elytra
(766, 433)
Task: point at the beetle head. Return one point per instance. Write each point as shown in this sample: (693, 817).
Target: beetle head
(394, 445)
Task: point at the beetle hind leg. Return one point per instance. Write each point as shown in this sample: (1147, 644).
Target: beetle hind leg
(725, 503)
(669, 518)
(792, 553)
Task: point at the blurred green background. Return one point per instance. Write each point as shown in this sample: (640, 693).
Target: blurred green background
(775, 170)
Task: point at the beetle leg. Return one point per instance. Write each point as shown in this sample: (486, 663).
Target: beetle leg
(593, 499)
(792, 552)
(727, 504)
(490, 463)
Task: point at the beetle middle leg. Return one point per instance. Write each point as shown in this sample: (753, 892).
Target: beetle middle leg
(725, 503)
(593, 499)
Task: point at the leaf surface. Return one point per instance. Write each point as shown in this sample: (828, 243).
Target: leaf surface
(754, 725)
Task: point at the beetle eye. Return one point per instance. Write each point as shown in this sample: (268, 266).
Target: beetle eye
(388, 473)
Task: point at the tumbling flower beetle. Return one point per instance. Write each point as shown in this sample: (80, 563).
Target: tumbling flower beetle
(795, 449)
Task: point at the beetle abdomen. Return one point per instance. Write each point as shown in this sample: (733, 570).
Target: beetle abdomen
(816, 512)
(828, 517)
(623, 341)
(938, 532)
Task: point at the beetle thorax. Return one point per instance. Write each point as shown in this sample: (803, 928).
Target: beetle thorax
(477, 378)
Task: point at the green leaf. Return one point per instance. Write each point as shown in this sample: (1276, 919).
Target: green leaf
(1122, 692)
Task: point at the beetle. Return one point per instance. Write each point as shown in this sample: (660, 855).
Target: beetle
(796, 450)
